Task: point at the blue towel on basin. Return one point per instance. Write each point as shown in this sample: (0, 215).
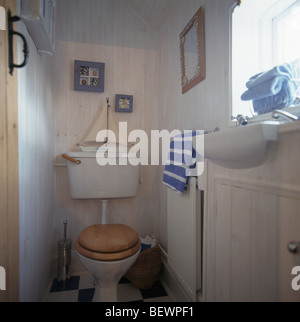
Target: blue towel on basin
(284, 98)
(182, 157)
(284, 71)
(273, 89)
(268, 88)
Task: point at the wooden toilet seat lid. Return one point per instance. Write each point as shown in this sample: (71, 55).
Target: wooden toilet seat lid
(108, 256)
(108, 238)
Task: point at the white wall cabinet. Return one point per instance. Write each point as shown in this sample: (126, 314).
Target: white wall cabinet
(251, 218)
(39, 18)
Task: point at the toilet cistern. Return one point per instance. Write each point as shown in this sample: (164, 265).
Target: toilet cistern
(89, 180)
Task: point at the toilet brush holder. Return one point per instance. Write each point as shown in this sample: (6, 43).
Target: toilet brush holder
(64, 257)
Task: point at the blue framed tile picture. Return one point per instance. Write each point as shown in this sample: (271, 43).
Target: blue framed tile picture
(124, 103)
(89, 76)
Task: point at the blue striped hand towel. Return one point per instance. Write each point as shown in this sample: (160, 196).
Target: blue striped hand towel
(182, 157)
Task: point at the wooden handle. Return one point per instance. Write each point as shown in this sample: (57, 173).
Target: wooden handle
(71, 159)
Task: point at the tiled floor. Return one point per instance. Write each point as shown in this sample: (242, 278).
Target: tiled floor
(81, 289)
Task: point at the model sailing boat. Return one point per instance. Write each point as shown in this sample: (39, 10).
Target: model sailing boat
(104, 121)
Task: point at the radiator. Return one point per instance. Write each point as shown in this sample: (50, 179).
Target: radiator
(185, 238)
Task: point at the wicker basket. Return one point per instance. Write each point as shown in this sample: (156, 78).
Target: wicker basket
(146, 269)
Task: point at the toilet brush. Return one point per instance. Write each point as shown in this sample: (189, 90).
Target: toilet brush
(64, 257)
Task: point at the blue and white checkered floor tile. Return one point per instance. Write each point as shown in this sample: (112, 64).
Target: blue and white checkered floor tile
(81, 289)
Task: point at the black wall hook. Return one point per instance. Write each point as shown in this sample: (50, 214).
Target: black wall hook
(11, 33)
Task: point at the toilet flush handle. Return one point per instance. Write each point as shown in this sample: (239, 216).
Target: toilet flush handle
(71, 159)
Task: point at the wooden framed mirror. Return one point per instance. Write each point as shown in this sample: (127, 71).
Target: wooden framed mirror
(192, 51)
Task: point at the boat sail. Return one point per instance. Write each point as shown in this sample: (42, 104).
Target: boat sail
(104, 121)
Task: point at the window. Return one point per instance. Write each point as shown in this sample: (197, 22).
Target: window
(264, 35)
(286, 31)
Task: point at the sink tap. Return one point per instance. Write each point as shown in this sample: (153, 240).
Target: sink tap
(217, 129)
(241, 120)
(286, 115)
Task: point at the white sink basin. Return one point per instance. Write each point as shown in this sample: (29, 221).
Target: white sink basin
(242, 147)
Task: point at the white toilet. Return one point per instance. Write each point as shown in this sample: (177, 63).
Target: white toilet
(107, 251)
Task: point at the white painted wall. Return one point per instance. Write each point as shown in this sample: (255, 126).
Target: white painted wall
(36, 142)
